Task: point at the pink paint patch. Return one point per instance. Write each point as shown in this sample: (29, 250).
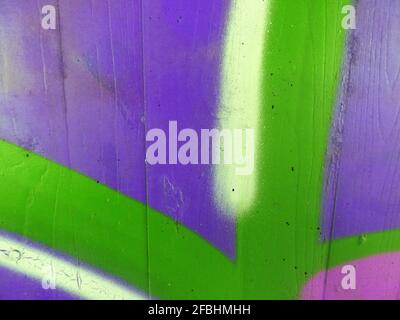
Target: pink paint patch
(377, 278)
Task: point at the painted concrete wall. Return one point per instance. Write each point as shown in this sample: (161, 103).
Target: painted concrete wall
(80, 207)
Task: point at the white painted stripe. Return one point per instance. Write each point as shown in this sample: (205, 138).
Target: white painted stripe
(76, 280)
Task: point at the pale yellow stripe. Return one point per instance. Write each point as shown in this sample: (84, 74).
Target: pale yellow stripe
(240, 102)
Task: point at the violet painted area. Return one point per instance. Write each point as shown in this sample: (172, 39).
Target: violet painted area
(182, 68)
(79, 95)
(16, 286)
(363, 177)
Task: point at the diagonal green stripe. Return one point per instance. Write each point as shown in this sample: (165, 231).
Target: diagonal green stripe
(71, 213)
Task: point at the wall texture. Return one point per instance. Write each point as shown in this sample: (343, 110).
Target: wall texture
(80, 207)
